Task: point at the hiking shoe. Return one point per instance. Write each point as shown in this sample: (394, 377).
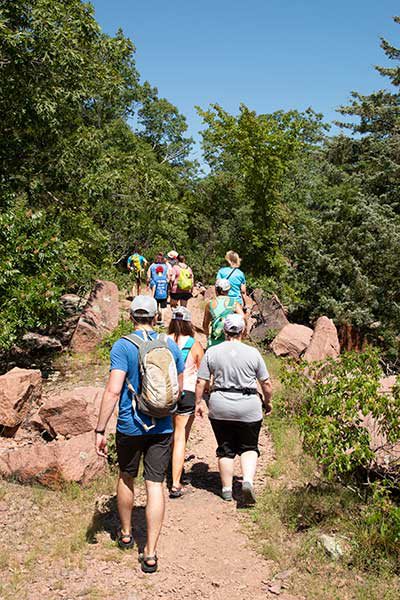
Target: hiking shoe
(226, 495)
(249, 496)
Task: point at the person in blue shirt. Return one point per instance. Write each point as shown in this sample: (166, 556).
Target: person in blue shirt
(235, 275)
(158, 277)
(133, 441)
(136, 265)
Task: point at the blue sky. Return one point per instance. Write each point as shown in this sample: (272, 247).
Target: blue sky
(269, 54)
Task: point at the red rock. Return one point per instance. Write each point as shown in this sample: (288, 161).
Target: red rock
(209, 293)
(35, 462)
(19, 390)
(72, 412)
(77, 459)
(292, 340)
(53, 463)
(387, 383)
(271, 310)
(99, 317)
(324, 342)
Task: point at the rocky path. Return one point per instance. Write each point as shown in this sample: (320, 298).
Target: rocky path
(204, 551)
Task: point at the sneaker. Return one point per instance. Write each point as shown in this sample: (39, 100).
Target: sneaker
(249, 496)
(226, 495)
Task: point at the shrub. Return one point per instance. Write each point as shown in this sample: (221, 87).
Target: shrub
(331, 401)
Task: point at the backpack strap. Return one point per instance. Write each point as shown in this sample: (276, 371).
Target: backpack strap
(187, 348)
(232, 272)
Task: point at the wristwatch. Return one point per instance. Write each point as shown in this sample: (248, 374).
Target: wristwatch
(100, 431)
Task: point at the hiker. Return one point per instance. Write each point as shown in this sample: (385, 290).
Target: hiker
(158, 279)
(181, 331)
(182, 282)
(235, 408)
(136, 265)
(172, 258)
(235, 276)
(144, 426)
(217, 310)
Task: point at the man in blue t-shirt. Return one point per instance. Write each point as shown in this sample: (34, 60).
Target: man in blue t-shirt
(133, 441)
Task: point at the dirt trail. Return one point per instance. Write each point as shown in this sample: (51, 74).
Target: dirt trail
(204, 551)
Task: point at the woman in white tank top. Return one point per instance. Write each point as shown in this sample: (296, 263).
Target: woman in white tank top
(181, 331)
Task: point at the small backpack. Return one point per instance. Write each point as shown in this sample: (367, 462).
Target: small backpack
(185, 279)
(135, 262)
(160, 282)
(159, 378)
(218, 320)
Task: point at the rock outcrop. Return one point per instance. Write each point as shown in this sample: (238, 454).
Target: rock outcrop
(324, 342)
(99, 317)
(41, 343)
(292, 340)
(55, 462)
(271, 310)
(19, 390)
(71, 412)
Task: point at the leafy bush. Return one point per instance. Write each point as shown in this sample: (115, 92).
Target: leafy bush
(334, 398)
(38, 266)
(329, 403)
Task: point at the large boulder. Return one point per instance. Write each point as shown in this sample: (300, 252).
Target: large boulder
(71, 412)
(292, 340)
(77, 459)
(20, 389)
(53, 463)
(324, 342)
(99, 317)
(41, 343)
(271, 311)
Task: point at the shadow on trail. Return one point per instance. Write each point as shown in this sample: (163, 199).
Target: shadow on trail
(204, 479)
(105, 518)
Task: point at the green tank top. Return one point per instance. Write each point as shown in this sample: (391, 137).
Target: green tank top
(224, 307)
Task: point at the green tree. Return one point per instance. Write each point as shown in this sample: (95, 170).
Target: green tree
(251, 154)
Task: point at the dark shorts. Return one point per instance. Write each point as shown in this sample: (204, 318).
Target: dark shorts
(235, 437)
(186, 403)
(161, 303)
(155, 449)
(181, 295)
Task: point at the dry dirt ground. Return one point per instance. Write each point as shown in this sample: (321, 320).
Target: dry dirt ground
(60, 544)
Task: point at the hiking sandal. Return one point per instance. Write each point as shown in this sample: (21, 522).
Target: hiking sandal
(144, 563)
(175, 492)
(121, 543)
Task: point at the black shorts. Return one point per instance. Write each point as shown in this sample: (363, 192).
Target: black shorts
(161, 303)
(181, 295)
(235, 437)
(155, 449)
(186, 403)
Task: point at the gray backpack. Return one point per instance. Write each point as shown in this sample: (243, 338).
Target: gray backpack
(160, 388)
